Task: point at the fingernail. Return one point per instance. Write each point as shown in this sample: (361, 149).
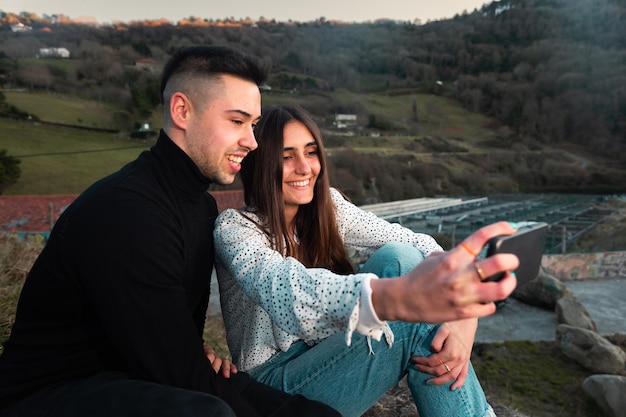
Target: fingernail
(455, 389)
(430, 383)
(513, 225)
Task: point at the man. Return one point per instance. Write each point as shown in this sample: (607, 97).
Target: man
(110, 318)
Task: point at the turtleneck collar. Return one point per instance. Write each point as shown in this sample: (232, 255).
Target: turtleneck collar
(180, 169)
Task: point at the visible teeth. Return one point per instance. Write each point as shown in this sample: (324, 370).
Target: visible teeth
(235, 159)
(299, 183)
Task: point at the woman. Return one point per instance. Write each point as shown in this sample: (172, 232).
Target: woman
(297, 316)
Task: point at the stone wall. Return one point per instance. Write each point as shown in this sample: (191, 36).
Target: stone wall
(579, 266)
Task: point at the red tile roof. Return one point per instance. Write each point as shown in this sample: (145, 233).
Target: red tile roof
(37, 213)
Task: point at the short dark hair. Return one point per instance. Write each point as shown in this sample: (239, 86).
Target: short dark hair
(210, 61)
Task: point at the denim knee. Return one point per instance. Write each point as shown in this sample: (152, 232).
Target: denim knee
(393, 259)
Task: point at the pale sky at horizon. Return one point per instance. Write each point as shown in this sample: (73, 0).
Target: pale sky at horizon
(108, 11)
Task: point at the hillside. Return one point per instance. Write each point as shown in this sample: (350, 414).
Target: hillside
(546, 71)
(452, 151)
(519, 96)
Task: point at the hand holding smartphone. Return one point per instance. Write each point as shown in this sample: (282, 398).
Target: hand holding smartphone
(527, 244)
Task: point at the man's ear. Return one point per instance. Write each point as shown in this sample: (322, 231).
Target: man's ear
(180, 110)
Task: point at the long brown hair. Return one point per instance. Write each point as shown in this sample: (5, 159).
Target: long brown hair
(321, 245)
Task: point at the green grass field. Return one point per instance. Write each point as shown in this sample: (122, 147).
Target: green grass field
(436, 115)
(57, 160)
(63, 109)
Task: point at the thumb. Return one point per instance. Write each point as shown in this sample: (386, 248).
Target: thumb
(439, 339)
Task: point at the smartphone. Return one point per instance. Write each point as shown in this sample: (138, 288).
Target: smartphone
(527, 244)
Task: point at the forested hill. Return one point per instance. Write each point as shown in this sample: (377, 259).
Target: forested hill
(553, 71)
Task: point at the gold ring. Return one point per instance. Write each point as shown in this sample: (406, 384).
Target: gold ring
(467, 248)
(479, 271)
(442, 362)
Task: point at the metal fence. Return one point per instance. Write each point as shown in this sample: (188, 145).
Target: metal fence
(569, 216)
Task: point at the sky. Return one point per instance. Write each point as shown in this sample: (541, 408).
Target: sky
(107, 11)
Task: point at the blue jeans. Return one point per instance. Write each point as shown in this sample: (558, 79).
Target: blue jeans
(351, 379)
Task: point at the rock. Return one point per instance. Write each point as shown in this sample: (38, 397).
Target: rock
(397, 402)
(502, 411)
(608, 391)
(590, 350)
(570, 311)
(542, 291)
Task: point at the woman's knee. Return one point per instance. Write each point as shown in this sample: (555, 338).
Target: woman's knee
(393, 259)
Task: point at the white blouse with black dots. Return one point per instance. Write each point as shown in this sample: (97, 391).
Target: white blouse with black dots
(270, 301)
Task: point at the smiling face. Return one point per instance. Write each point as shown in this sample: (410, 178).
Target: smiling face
(217, 122)
(301, 167)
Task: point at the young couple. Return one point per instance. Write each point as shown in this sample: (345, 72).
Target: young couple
(110, 319)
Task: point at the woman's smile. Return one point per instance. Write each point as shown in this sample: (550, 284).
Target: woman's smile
(301, 166)
(299, 184)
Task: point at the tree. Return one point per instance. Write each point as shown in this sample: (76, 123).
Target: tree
(414, 110)
(9, 170)
(36, 76)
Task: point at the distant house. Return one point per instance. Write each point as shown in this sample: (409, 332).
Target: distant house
(143, 131)
(53, 53)
(148, 64)
(343, 121)
(144, 127)
(20, 27)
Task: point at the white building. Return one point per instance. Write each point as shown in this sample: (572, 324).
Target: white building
(343, 121)
(20, 27)
(53, 53)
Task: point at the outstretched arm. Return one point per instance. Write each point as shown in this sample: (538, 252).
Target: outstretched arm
(446, 286)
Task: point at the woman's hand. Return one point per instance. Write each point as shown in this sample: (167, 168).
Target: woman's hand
(453, 350)
(220, 364)
(448, 286)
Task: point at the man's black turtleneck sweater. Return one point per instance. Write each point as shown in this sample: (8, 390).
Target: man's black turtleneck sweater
(123, 285)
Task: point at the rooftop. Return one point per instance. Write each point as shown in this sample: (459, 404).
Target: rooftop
(38, 213)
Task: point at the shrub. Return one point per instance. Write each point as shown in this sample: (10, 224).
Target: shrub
(16, 259)
(9, 170)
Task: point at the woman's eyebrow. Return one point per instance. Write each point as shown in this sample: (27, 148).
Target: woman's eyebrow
(306, 146)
